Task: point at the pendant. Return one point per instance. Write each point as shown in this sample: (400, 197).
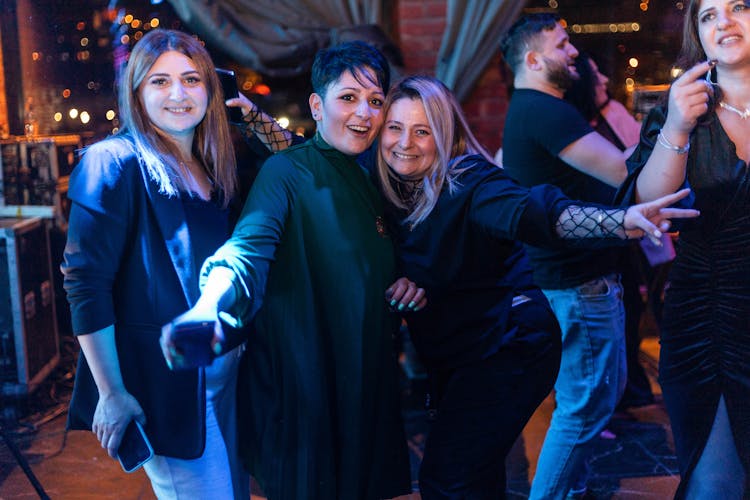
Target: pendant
(380, 227)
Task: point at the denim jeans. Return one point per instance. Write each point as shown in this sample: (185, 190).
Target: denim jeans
(592, 378)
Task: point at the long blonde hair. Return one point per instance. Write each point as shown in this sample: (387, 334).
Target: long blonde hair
(212, 143)
(453, 138)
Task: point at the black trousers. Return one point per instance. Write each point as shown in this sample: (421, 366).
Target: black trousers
(484, 407)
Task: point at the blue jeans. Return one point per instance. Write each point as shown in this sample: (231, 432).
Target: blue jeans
(592, 378)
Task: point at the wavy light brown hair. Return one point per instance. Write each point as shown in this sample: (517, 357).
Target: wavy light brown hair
(212, 143)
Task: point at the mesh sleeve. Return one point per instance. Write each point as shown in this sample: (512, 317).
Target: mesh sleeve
(585, 222)
(268, 130)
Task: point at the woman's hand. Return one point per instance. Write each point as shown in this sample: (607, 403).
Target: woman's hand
(405, 295)
(688, 101)
(113, 413)
(246, 105)
(198, 315)
(652, 218)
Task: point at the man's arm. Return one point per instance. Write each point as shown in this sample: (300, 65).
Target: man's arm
(594, 155)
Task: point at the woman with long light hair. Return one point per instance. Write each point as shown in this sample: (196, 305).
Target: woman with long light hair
(487, 335)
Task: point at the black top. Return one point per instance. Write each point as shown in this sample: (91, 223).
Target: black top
(537, 127)
(466, 257)
(208, 219)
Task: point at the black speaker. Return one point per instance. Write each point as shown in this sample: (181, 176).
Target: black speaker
(29, 344)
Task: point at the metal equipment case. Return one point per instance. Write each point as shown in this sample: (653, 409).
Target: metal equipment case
(29, 344)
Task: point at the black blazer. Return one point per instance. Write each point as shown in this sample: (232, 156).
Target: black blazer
(128, 262)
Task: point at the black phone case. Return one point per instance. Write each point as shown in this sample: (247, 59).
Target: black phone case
(134, 450)
(229, 86)
(193, 342)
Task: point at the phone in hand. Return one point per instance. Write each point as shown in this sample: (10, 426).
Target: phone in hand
(135, 449)
(229, 85)
(192, 341)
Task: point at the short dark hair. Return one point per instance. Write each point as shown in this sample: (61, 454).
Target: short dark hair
(518, 38)
(332, 62)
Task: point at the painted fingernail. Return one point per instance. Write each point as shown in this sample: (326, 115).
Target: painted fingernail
(400, 307)
(417, 308)
(393, 302)
(411, 304)
(217, 348)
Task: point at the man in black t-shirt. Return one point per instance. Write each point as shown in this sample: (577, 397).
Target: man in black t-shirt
(547, 141)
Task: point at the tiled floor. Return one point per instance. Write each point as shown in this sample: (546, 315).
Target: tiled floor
(637, 462)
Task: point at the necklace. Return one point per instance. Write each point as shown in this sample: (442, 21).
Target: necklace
(742, 114)
(409, 191)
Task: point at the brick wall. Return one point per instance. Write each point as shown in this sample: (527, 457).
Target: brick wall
(419, 25)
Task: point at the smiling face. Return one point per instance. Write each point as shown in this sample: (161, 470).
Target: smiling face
(407, 143)
(349, 115)
(558, 56)
(174, 96)
(724, 30)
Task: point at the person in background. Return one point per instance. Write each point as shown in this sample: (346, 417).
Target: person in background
(699, 139)
(487, 336)
(546, 140)
(612, 121)
(309, 265)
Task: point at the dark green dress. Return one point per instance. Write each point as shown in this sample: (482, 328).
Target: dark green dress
(319, 405)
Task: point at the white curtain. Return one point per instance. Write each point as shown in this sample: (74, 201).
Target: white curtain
(278, 37)
(472, 36)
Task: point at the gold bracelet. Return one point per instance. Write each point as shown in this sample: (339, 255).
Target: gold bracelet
(677, 149)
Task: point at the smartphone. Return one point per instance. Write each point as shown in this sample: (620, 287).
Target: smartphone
(192, 340)
(229, 85)
(134, 450)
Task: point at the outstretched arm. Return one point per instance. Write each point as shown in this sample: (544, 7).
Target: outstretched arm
(645, 219)
(218, 294)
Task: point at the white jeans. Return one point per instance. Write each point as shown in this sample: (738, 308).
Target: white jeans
(218, 473)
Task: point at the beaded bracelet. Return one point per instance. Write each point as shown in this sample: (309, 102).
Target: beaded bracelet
(680, 150)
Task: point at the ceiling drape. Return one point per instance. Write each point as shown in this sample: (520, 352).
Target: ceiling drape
(277, 37)
(280, 37)
(472, 36)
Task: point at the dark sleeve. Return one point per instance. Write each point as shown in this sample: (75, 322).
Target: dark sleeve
(251, 248)
(101, 191)
(507, 210)
(558, 125)
(649, 133)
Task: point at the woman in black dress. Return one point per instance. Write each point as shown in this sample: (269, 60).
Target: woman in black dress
(487, 335)
(700, 139)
